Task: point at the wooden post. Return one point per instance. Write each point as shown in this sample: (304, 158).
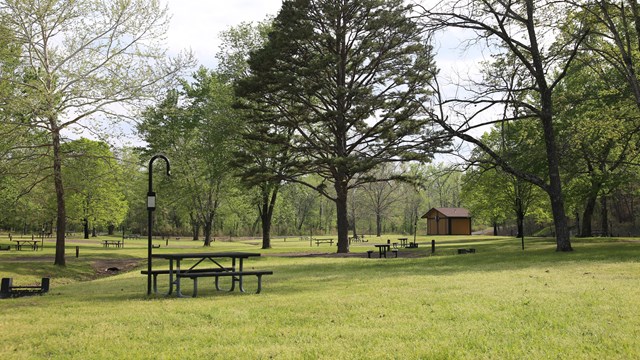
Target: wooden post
(45, 285)
(77, 251)
(433, 246)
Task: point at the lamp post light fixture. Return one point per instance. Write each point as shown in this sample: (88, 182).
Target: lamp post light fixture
(151, 207)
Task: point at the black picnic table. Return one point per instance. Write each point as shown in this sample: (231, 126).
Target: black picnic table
(383, 248)
(237, 259)
(116, 243)
(319, 241)
(33, 244)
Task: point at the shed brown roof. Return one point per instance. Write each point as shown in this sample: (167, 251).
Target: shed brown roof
(450, 212)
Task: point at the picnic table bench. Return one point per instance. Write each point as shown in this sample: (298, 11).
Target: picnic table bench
(155, 273)
(116, 243)
(235, 275)
(7, 289)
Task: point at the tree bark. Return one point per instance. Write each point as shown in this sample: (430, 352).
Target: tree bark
(520, 221)
(587, 215)
(343, 223)
(61, 221)
(604, 216)
(269, 198)
(520, 217)
(208, 225)
(266, 233)
(85, 228)
(195, 226)
(563, 242)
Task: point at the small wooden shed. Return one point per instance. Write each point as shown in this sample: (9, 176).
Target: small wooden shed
(448, 221)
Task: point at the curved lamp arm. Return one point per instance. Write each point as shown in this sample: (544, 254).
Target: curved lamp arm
(151, 168)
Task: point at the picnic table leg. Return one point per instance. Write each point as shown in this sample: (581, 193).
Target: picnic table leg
(259, 283)
(233, 266)
(195, 286)
(178, 290)
(155, 283)
(171, 276)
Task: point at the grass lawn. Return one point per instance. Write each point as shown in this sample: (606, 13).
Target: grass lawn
(499, 303)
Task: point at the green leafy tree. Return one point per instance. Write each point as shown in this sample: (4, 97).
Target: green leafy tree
(528, 62)
(601, 122)
(260, 165)
(348, 79)
(381, 196)
(83, 64)
(94, 183)
(197, 130)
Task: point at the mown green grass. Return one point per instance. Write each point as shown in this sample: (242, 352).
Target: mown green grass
(500, 303)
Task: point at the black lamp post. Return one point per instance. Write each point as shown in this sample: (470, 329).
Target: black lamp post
(151, 207)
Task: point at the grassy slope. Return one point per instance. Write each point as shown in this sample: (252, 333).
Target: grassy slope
(498, 303)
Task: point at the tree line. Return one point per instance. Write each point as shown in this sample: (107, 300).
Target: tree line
(323, 116)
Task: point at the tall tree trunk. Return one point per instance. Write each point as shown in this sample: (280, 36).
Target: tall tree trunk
(520, 221)
(495, 228)
(61, 221)
(587, 215)
(85, 228)
(207, 227)
(266, 234)
(563, 242)
(604, 216)
(378, 224)
(343, 223)
(519, 210)
(269, 197)
(195, 226)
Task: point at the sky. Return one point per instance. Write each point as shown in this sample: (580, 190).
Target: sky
(196, 24)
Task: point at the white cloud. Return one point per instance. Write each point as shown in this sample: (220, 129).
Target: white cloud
(196, 24)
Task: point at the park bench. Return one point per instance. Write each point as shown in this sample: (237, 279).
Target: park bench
(5, 247)
(155, 274)
(217, 274)
(7, 289)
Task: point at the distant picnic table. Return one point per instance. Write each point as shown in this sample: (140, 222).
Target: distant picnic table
(115, 243)
(33, 244)
(403, 241)
(320, 241)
